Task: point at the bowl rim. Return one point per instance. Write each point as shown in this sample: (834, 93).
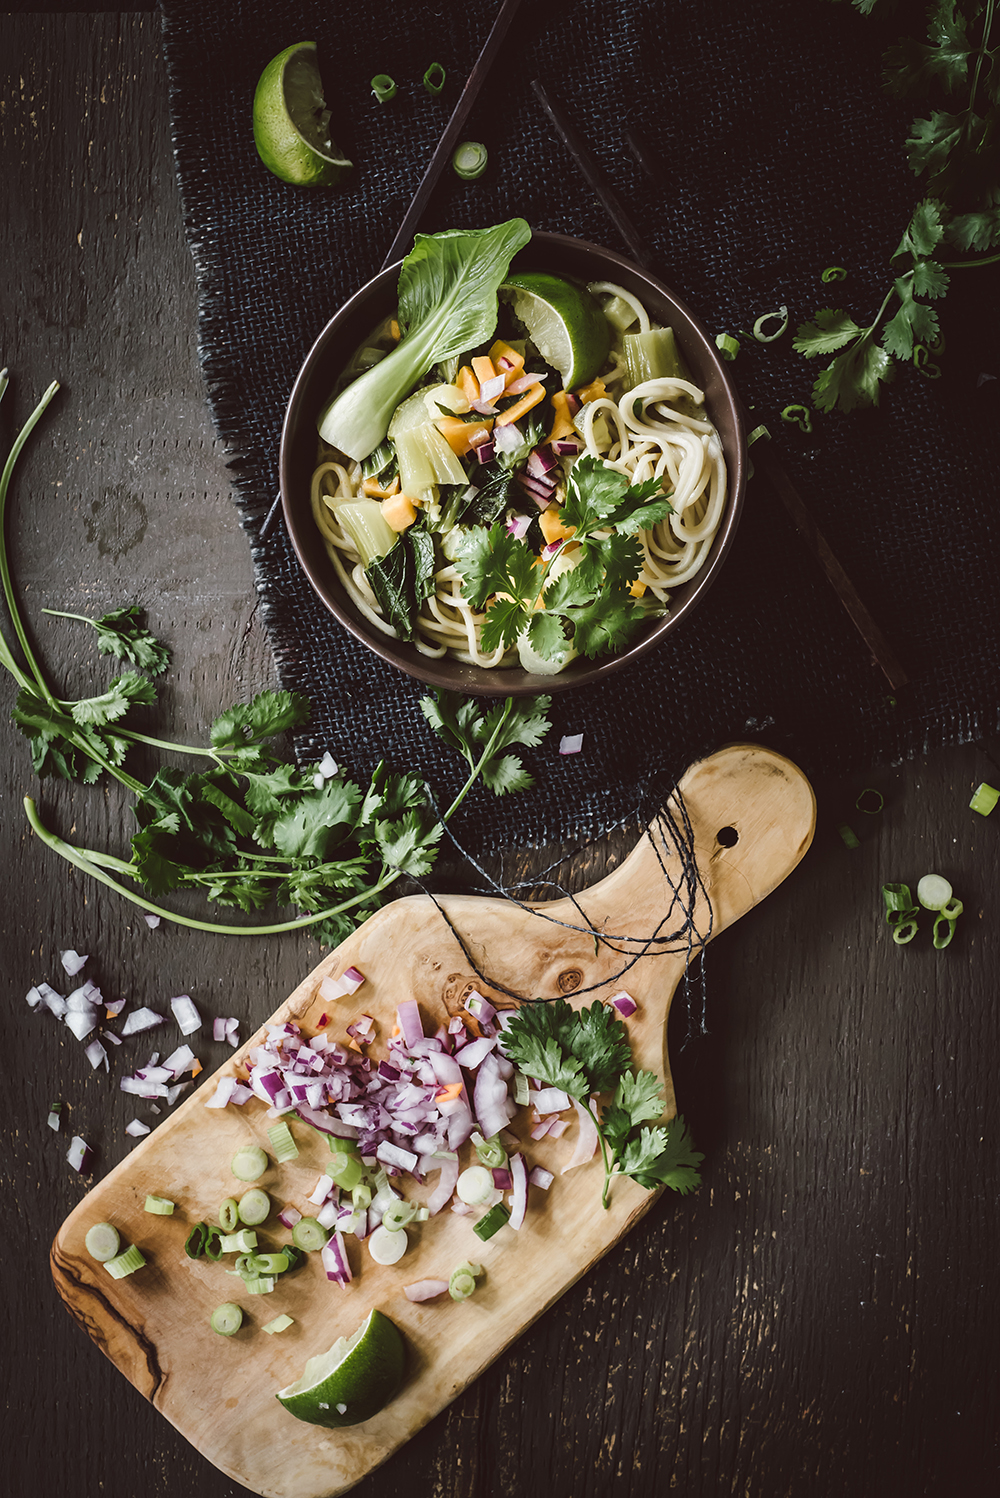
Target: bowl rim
(511, 681)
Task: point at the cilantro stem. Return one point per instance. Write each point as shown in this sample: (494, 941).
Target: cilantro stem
(80, 861)
(5, 577)
(508, 708)
(968, 264)
(981, 54)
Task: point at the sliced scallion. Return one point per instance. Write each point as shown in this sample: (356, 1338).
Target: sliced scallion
(933, 892)
(159, 1206)
(434, 79)
(834, 273)
(227, 1319)
(870, 802)
(386, 1246)
(490, 1152)
(102, 1241)
(799, 416)
(309, 1234)
(383, 87)
(462, 1281)
(896, 897)
(492, 1222)
(229, 1215)
(345, 1170)
(475, 1186)
(194, 1243)
(397, 1215)
(944, 930)
(295, 1256)
(249, 1163)
(263, 1285)
(984, 798)
(126, 1263)
(469, 160)
(254, 1207)
(781, 316)
(849, 836)
(905, 931)
(271, 1263)
(239, 1243)
(727, 345)
(283, 1143)
(279, 1324)
(213, 1244)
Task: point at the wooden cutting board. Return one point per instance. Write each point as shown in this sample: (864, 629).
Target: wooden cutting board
(752, 816)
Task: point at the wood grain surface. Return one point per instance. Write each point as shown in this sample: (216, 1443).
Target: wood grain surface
(821, 1319)
(154, 1325)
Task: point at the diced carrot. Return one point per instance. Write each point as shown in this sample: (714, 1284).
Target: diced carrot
(462, 436)
(374, 489)
(352, 1045)
(483, 369)
(552, 527)
(593, 391)
(506, 360)
(394, 331)
(521, 407)
(448, 1093)
(562, 425)
(637, 589)
(468, 384)
(196, 1068)
(399, 512)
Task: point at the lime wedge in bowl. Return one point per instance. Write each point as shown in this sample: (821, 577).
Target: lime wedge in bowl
(353, 1380)
(563, 321)
(291, 123)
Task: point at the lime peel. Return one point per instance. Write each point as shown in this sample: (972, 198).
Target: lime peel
(564, 322)
(353, 1380)
(291, 123)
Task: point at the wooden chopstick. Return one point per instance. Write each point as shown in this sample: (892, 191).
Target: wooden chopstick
(786, 491)
(449, 140)
(595, 175)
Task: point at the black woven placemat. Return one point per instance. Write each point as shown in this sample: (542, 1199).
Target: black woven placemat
(782, 155)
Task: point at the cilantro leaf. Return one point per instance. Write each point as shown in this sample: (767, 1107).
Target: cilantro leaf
(122, 633)
(407, 844)
(493, 561)
(113, 704)
(853, 378)
(317, 821)
(608, 624)
(910, 66)
(923, 232)
(979, 230)
(663, 1157)
(269, 713)
(829, 332)
(505, 774)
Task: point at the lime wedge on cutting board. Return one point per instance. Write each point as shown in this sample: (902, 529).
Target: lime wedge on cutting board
(353, 1380)
(563, 321)
(291, 123)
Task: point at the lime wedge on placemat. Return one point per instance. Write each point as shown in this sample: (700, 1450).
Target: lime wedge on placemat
(291, 123)
(354, 1380)
(563, 321)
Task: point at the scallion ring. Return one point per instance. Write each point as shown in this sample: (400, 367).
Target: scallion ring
(870, 801)
(799, 416)
(434, 79)
(469, 160)
(727, 345)
(766, 317)
(984, 798)
(922, 361)
(944, 930)
(757, 434)
(904, 932)
(849, 836)
(383, 87)
(834, 273)
(229, 1215)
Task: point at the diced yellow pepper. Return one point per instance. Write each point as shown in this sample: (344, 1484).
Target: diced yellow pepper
(399, 512)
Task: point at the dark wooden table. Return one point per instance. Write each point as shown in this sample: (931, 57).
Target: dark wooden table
(822, 1318)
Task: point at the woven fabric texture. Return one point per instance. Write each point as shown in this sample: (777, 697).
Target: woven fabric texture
(781, 155)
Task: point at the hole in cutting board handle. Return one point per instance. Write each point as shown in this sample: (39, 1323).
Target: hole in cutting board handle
(727, 836)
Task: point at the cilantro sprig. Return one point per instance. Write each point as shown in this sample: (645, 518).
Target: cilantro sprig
(587, 607)
(247, 829)
(957, 149)
(585, 1052)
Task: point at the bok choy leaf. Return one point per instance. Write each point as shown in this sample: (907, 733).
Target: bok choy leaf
(447, 303)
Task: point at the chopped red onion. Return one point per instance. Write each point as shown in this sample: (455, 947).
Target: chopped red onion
(566, 447)
(408, 1020)
(97, 1055)
(289, 1216)
(186, 1014)
(142, 1019)
(173, 1093)
(519, 1201)
(136, 1128)
(559, 1127)
(540, 490)
(571, 743)
(138, 1087)
(391, 1154)
(114, 1007)
(525, 382)
(550, 1100)
(73, 962)
(484, 408)
(518, 526)
(479, 1007)
(490, 1098)
(502, 1178)
(573, 403)
(624, 1003)
(80, 1155)
(444, 1190)
(321, 1190)
(179, 1061)
(539, 1176)
(223, 1093)
(328, 1213)
(484, 451)
(490, 389)
(332, 989)
(541, 461)
(53, 1119)
(552, 550)
(507, 437)
(81, 1021)
(471, 1055)
(327, 766)
(425, 1289)
(152, 921)
(335, 1261)
(586, 1139)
